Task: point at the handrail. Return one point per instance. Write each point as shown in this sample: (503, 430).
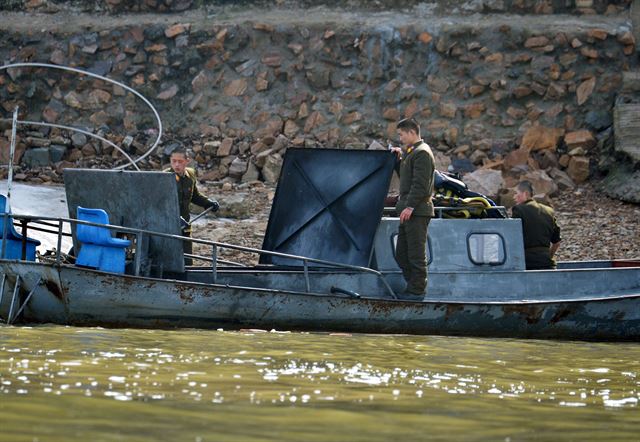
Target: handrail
(139, 232)
(440, 209)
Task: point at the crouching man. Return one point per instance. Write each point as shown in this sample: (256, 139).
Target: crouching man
(540, 230)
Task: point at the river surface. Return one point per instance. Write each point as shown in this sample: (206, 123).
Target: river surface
(91, 384)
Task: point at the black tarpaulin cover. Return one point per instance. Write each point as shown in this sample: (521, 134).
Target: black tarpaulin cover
(328, 205)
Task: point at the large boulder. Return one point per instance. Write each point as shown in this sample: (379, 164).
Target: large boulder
(237, 168)
(234, 205)
(561, 178)
(518, 157)
(543, 184)
(485, 181)
(442, 161)
(252, 173)
(539, 137)
(578, 168)
(271, 168)
(623, 182)
(36, 157)
(580, 138)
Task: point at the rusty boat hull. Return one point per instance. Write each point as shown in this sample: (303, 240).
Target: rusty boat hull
(64, 294)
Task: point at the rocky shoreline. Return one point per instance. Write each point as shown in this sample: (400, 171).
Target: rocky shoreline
(501, 97)
(505, 91)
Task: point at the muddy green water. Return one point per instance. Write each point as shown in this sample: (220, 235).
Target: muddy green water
(91, 384)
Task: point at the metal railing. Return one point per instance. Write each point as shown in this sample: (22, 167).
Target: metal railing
(140, 235)
(440, 210)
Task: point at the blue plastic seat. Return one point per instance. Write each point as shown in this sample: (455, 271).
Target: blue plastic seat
(13, 247)
(98, 248)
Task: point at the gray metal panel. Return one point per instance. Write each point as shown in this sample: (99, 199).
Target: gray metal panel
(140, 200)
(328, 205)
(448, 244)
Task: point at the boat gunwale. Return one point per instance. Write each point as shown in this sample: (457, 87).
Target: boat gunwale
(70, 267)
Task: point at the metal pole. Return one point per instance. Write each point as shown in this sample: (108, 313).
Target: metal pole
(59, 246)
(203, 213)
(306, 275)
(4, 278)
(214, 267)
(137, 259)
(5, 229)
(26, 301)
(16, 289)
(23, 224)
(12, 150)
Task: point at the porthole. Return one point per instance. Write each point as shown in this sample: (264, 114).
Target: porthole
(486, 249)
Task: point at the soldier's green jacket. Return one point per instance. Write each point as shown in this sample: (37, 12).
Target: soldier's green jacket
(416, 180)
(188, 192)
(539, 230)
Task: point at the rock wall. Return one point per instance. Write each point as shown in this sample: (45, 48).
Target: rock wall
(500, 97)
(434, 6)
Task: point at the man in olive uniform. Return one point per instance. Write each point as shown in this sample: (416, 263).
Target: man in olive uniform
(540, 230)
(187, 193)
(414, 205)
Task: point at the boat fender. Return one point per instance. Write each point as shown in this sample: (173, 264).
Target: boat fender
(349, 293)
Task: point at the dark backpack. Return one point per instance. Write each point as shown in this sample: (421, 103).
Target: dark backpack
(451, 191)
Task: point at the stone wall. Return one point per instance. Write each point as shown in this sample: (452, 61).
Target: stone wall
(500, 98)
(435, 6)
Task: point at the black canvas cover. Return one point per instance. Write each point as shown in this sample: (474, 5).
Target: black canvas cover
(328, 205)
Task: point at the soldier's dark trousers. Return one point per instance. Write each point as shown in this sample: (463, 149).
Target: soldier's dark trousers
(411, 253)
(187, 248)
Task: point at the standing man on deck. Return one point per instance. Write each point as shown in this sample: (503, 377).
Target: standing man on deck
(187, 193)
(540, 230)
(416, 168)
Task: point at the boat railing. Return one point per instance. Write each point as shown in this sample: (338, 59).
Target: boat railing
(140, 235)
(440, 211)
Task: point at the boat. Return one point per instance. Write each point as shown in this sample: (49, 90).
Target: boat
(326, 265)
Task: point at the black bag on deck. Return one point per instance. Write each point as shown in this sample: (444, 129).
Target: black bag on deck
(451, 191)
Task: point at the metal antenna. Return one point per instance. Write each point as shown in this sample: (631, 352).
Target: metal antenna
(12, 152)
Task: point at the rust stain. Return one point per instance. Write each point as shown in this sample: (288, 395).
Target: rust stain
(619, 315)
(452, 309)
(107, 282)
(382, 307)
(532, 313)
(188, 298)
(562, 313)
(54, 289)
(185, 294)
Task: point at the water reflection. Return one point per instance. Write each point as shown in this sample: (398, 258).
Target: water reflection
(190, 384)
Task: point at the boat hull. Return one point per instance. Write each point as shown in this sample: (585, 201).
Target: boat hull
(81, 297)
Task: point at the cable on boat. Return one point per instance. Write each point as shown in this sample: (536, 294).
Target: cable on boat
(100, 77)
